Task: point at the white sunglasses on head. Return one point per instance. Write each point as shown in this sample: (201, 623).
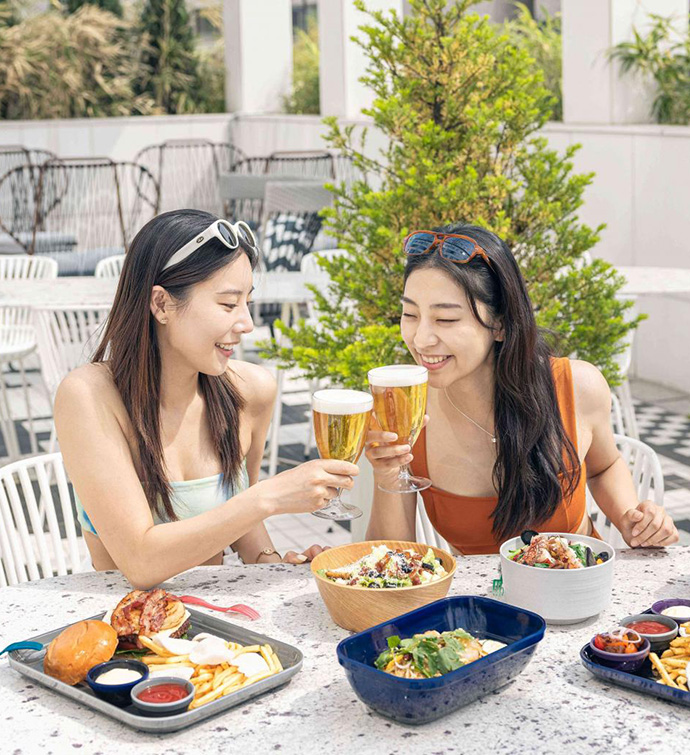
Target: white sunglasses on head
(226, 232)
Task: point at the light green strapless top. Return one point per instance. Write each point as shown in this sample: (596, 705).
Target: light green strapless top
(189, 498)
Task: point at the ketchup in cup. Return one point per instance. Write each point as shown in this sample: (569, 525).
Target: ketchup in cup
(648, 627)
(163, 693)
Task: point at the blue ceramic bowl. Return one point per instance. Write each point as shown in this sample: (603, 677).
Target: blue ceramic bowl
(419, 701)
(628, 662)
(118, 694)
(662, 605)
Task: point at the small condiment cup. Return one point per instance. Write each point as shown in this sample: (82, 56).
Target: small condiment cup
(629, 662)
(662, 605)
(657, 641)
(118, 694)
(162, 709)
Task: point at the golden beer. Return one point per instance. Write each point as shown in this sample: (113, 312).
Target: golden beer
(341, 421)
(340, 436)
(399, 393)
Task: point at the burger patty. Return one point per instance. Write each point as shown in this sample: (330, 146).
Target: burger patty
(131, 641)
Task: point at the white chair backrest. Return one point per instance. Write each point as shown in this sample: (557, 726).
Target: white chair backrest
(23, 266)
(34, 502)
(648, 479)
(67, 337)
(110, 267)
(425, 532)
(27, 266)
(310, 265)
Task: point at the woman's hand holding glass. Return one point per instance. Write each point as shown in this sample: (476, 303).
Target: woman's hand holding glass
(306, 488)
(385, 455)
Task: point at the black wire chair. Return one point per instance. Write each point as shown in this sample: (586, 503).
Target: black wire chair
(188, 172)
(82, 209)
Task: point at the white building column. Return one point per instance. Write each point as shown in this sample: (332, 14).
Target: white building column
(342, 62)
(593, 89)
(258, 54)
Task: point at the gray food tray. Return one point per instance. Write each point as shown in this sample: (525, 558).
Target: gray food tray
(290, 657)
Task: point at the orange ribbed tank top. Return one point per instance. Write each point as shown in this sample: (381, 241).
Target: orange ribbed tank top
(465, 521)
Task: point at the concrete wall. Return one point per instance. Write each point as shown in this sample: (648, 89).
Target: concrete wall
(118, 138)
(641, 191)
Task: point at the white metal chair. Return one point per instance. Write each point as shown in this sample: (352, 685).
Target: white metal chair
(425, 532)
(648, 479)
(110, 267)
(18, 341)
(67, 337)
(34, 503)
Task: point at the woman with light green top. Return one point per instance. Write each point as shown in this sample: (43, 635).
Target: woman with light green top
(163, 433)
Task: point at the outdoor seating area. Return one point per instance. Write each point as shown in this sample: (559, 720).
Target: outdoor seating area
(344, 376)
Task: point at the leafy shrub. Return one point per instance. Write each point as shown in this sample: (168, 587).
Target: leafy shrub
(68, 66)
(304, 98)
(542, 41)
(665, 56)
(461, 108)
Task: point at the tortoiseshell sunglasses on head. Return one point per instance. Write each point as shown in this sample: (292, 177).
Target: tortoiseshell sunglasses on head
(451, 246)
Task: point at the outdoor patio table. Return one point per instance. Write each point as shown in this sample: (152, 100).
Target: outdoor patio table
(555, 705)
(286, 288)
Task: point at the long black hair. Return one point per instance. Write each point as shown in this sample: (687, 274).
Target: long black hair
(130, 345)
(537, 465)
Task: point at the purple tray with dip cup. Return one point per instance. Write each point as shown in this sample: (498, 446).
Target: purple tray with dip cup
(643, 679)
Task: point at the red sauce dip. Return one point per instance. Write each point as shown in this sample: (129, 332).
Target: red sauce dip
(649, 627)
(163, 693)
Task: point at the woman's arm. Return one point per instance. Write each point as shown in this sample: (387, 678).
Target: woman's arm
(393, 515)
(608, 477)
(99, 462)
(259, 389)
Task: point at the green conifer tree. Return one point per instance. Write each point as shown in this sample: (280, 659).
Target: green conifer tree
(113, 6)
(170, 67)
(460, 107)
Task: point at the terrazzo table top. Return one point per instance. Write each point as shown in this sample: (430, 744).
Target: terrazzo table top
(554, 706)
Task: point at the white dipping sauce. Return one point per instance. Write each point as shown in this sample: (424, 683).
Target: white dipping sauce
(119, 676)
(678, 612)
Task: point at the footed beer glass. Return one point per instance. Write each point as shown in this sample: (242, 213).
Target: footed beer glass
(341, 421)
(399, 393)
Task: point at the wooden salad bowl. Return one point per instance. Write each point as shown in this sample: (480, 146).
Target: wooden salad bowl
(358, 608)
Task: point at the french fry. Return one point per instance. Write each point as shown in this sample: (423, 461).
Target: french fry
(248, 649)
(674, 662)
(201, 679)
(656, 662)
(147, 642)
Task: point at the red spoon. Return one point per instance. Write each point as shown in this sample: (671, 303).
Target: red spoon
(190, 600)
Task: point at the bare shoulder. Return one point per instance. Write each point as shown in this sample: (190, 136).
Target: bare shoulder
(87, 385)
(592, 392)
(256, 384)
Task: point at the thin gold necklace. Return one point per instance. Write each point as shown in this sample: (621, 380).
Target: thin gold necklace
(476, 424)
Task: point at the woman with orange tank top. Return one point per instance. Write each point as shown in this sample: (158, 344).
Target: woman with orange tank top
(513, 434)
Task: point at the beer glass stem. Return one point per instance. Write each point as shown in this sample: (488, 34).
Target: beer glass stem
(337, 510)
(405, 473)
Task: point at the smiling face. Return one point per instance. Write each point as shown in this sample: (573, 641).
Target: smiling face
(210, 322)
(440, 329)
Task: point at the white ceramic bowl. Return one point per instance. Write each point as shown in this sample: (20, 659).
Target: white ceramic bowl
(561, 596)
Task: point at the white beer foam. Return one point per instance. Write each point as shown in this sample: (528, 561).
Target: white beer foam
(341, 401)
(398, 375)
